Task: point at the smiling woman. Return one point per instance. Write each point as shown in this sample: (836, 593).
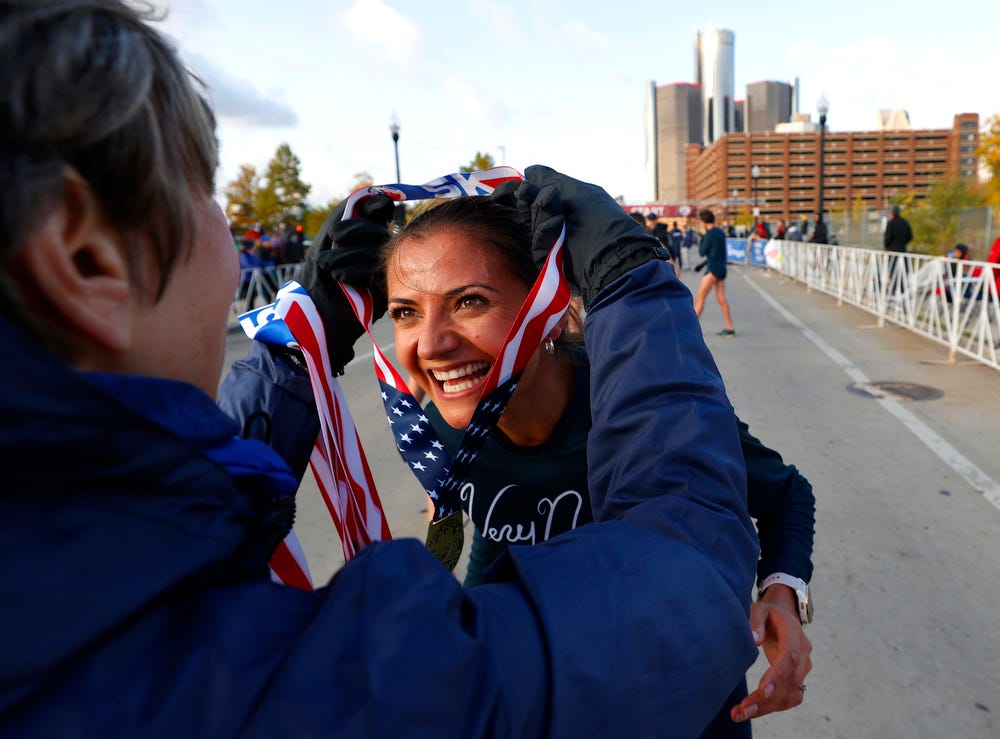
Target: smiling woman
(456, 277)
(455, 280)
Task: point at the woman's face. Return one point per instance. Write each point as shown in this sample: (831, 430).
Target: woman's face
(452, 302)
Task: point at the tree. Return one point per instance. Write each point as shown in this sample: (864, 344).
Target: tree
(241, 198)
(479, 162)
(989, 152)
(362, 179)
(314, 220)
(936, 220)
(282, 196)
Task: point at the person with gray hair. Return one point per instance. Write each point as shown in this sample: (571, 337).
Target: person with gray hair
(137, 525)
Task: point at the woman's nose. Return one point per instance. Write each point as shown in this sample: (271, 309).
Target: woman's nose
(438, 337)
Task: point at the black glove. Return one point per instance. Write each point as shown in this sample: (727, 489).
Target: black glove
(354, 261)
(701, 265)
(602, 241)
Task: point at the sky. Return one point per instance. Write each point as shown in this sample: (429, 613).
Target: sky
(548, 81)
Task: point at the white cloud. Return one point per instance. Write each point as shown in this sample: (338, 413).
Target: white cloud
(383, 35)
(237, 100)
(478, 106)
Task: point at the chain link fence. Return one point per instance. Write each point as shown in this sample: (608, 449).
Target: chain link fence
(977, 228)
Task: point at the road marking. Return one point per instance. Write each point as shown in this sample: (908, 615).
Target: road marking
(961, 464)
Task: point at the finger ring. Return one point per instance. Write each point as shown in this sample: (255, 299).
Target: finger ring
(802, 687)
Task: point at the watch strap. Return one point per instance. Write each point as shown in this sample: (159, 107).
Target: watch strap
(800, 586)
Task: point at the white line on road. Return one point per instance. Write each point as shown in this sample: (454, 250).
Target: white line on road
(961, 464)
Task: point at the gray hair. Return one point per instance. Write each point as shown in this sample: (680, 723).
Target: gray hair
(90, 85)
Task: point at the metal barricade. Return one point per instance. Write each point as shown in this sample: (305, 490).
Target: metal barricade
(951, 301)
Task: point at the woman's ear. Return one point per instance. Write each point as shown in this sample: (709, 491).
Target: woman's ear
(557, 330)
(75, 273)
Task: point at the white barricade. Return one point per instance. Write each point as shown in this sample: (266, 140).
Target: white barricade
(952, 301)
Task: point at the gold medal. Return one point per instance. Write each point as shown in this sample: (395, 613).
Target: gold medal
(446, 538)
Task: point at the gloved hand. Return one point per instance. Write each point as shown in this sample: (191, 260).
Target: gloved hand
(701, 265)
(347, 251)
(602, 240)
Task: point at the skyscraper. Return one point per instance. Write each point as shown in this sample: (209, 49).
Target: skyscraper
(673, 120)
(768, 104)
(715, 72)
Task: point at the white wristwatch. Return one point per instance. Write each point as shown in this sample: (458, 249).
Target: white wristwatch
(801, 588)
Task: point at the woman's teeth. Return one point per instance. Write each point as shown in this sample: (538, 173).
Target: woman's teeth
(448, 378)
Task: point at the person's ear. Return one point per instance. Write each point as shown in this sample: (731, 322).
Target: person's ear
(78, 271)
(557, 330)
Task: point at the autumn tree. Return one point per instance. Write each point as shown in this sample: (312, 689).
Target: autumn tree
(282, 194)
(241, 198)
(936, 220)
(479, 162)
(362, 179)
(989, 152)
(314, 219)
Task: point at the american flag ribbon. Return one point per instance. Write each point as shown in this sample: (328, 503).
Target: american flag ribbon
(338, 461)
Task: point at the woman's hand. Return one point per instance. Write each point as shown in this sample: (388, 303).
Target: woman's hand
(775, 623)
(602, 240)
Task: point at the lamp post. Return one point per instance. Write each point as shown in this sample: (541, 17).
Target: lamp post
(822, 107)
(394, 128)
(400, 214)
(755, 175)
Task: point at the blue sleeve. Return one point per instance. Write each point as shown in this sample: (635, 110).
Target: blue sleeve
(667, 454)
(782, 502)
(272, 401)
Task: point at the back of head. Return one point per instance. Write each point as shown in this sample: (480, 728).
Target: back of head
(92, 89)
(706, 216)
(896, 211)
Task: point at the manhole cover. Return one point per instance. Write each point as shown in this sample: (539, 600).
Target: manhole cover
(895, 390)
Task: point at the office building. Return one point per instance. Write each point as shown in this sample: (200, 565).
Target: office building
(715, 73)
(767, 104)
(862, 170)
(673, 120)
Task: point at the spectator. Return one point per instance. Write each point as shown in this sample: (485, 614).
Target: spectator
(819, 235)
(690, 240)
(295, 251)
(676, 237)
(898, 233)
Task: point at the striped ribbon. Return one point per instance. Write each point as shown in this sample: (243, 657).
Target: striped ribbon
(338, 461)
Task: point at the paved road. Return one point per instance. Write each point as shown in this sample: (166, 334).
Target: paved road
(907, 581)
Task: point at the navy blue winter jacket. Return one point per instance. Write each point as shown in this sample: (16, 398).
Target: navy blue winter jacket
(135, 529)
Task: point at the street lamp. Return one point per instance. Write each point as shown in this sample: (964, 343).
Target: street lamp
(755, 175)
(400, 214)
(394, 128)
(822, 107)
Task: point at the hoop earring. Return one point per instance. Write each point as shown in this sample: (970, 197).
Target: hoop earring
(550, 345)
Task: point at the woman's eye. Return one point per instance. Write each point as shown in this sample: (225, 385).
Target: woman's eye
(401, 313)
(471, 301)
